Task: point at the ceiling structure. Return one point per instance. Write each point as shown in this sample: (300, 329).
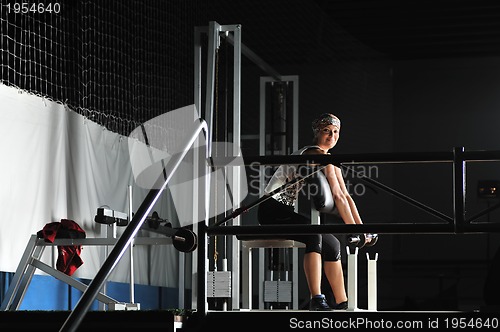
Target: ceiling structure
(296, 31)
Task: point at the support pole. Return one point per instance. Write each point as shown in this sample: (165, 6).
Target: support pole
(372, 282)
(352, 279)
(131, 251)
(235, 172)
(459, 189)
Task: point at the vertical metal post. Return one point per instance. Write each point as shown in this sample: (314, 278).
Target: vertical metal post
(246, 277)
(262, 181)
(201, 288)
(213, 46)
(352, 279)
(262, 260)
(235, 171)
(200, 264)
(295, 80)
(24, 272)
(459, 189)
(202, 261)
(197, 67)
(132, 281)
(295, 279)
(372, 282)
(197, 102)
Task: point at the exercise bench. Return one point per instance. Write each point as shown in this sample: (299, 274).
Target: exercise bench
(321, 202)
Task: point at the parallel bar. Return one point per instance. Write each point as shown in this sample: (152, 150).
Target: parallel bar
(378, 228)
(270, 230)
(337, 159)
(103, 241)
(363, 158)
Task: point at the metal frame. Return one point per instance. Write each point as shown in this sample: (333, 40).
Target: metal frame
(458, 223)
(31, 260)
(214, 32)
(247, 274)
(352, 281)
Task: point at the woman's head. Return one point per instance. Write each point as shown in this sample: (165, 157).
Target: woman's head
(323, 120)
(326, 130)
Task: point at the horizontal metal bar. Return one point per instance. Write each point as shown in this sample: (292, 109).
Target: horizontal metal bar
(104, 241)
(376, 228)
(360, 158)
(337, 159)
(481, 155)
(335, 229)
(483, 227)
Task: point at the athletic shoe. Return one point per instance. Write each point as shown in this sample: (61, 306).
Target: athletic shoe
(340, 306)
(318, 303)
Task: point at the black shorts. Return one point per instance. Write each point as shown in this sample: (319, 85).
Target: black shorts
(272, 212)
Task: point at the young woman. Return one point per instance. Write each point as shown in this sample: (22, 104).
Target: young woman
(322, 250)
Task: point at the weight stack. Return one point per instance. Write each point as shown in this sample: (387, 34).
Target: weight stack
(277, 291)
(219, 284)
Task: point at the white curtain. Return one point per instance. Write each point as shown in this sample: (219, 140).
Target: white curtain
(56, 164)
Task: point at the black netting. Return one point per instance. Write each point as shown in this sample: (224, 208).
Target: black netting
(117, 62)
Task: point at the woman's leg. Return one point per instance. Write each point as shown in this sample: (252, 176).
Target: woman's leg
(312, 270)
(335, 275)
(332, 266)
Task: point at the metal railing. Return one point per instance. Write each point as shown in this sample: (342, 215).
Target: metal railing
(83, 305)
(458, 223)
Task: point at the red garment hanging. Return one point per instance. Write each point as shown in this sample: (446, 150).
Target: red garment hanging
(68, 260)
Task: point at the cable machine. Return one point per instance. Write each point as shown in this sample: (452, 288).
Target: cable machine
(220, 280)
(222, 112)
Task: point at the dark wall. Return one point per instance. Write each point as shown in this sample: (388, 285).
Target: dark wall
(439, 105)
